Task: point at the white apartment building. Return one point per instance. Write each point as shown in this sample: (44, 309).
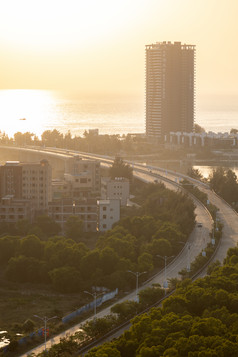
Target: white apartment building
(108, 213)
(119, 188)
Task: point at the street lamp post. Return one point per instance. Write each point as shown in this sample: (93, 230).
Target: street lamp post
(215, 229)
(45, 320)
(188, 256)
(165, 270)
(94, 295)
(188, 260)
(137, 275)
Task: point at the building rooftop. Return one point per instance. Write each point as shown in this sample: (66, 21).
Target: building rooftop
(11, 163)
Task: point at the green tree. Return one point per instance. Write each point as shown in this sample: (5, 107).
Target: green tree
(74, 228)
(66, 279)
(177, 304)
(159, 246)
(123, 245)
(120, 169)
(107, 350)
(66, 348)
(108, 260)
(100, 326)
(52, 138)
(23, 226)
(208, 327)
(89, 264)
(8, 247)
(145, 262)
(28, 326)
(224, 183)
(198, 129)
(153, 351)
(170, 232)
(126, 309)
(24, 269)
(31, 246)
(194, 173)
(23, 138)
(151, 295)
(48, 226)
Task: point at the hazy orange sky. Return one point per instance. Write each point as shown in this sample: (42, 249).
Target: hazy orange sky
(98, 46)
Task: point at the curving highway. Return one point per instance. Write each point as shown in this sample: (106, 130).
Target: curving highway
(197, 240)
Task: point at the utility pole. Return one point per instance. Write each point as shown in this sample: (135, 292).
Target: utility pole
(137, 275)
(45, 320)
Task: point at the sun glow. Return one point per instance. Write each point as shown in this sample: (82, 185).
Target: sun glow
(56, 25)
(25, 110)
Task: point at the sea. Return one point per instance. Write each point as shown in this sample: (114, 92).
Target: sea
(38, 110)
(35, 111)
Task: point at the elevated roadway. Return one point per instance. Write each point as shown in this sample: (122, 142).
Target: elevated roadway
(227, 216)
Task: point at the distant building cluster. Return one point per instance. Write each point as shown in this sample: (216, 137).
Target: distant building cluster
(27, 190)
(210, 139)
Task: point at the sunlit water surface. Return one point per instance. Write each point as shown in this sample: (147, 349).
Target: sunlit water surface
(39, 110)
(207, 170)
(46, 110)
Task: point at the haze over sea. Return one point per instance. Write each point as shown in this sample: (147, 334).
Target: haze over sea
(111, 114)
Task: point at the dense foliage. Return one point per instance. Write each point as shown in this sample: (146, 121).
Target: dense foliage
(200, 195)
(89, 142)
(224, 183)
(120, 169)
(43, 227)
(199, 320)
(157, 228)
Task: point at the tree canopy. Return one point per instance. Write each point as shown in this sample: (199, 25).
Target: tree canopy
(120, 169)
(224, 183)
(132, 244)
(199, 319)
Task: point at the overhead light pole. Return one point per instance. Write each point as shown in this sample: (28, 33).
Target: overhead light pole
(45, 320)
(188, 268)
(165, 285)
(137, 275)
(94, 295)
(188, 260)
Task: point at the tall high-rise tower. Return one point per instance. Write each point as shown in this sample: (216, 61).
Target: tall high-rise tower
(169, 88)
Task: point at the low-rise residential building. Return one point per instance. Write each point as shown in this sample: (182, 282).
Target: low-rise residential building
(84, 175)
(13, 210)
(29, 181)
(36, 184)
(81, 180)
(119, 188)
(108, 213)
(210, 139)
(86, 209)
(60, 189)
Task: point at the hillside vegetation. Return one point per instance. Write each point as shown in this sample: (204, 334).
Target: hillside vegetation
(199, 320)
